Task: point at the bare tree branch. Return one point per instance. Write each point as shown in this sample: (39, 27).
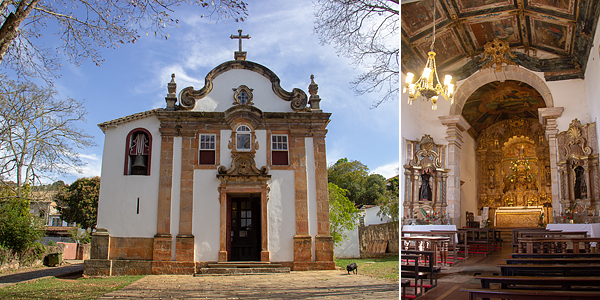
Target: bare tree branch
(365, 31)
(86, 26)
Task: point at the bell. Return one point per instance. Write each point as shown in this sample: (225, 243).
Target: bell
(139, 161)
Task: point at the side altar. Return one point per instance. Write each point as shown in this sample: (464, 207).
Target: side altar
(518, 216)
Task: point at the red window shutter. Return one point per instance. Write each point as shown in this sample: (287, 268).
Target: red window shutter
(279, 158)
(207, 157)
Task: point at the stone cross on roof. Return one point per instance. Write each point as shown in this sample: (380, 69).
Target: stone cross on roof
(240, 55)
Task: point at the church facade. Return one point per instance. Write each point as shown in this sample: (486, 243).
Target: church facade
(233, 171)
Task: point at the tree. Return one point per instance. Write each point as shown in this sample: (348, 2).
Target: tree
(354, 177)
(366, 31)
(86, 26)
(389, 204)
(79, 202)
(342, 213)
(38, 133)
(18, 228)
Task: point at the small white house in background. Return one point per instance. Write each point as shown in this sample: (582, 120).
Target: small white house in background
(233, 171)
(350, 246)
(368, 215)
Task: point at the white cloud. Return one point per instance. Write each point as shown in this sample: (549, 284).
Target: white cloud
(388, 171)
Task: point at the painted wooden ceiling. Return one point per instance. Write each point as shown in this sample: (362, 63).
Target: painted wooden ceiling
(498, 101)
(550, 36)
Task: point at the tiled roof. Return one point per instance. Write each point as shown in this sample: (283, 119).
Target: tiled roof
(129, 118)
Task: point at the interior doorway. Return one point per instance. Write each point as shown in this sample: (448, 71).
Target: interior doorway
(244, 227)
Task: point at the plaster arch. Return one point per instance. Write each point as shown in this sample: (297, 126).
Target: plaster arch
(488, 75)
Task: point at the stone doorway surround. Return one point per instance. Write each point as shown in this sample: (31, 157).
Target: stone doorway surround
(457, 126)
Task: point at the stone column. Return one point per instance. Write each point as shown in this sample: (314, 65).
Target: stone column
(548, 116)
(184, 248)
(302, 239)
(162, 239)
(323, 240)
(456, 125)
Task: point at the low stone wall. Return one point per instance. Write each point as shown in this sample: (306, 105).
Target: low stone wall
(381, 232)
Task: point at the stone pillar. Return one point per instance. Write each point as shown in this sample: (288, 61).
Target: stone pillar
(223, 224)
(548, 116)
(162, 239)
(265, 255)
(323, 240)
(456, 125)
(184, 250)
(302, 239)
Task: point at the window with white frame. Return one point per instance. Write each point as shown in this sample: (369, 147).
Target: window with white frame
(279, 150)
(208, 149)
(243, 138)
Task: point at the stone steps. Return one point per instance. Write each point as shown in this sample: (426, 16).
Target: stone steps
(242, 268)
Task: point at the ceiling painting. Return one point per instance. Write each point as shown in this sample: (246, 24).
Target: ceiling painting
(418, 16)
(475, 5)
(505, 27)
(541, 33)
(550, 34)
(498, 101)
(564, 6)
(447, 45)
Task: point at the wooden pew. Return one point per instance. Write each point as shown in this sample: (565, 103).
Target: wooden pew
(404, 283)
(427, 268)
(515, 234)
(549, 261)
(550, 270)
(530, 294)
(438, 244)
(554, 255)
(564, 283)
(408, 270)
(460, 241)
(556, 244)
(480, 236)
(452, 241)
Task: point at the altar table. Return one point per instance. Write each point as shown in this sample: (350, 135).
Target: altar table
(593, 229)
(429, 228)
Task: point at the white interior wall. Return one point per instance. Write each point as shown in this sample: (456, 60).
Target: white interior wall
(592, 80)
(117, 206)
(468, 168)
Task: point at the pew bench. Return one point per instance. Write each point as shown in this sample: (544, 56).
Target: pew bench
(563, 283)
(554, 255)
(530, 294)
(550, 270)
(427, 270)
(412, 271)
(549, 261)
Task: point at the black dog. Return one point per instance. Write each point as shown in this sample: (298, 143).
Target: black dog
(352, 268)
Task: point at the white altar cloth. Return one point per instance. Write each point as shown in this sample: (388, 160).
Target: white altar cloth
(427, 228)
(593, 229)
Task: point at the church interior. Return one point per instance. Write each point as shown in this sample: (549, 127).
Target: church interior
(512, 141)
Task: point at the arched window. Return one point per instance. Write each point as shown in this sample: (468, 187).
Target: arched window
(243, 138)
(138, 152)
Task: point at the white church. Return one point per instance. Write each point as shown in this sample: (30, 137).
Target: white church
(234, 171)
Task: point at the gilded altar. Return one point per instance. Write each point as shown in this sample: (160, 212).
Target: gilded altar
(513, 168)
(518, 216)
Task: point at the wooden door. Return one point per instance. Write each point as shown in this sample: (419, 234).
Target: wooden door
(245, 229)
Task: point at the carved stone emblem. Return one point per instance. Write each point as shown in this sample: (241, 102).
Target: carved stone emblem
(242, 95)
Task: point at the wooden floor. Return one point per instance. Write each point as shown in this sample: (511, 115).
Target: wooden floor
(462, 275)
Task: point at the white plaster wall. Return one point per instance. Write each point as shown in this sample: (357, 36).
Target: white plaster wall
(220, 97)
(261, 154)
(282, 218)
(349, 247)
(592, 80)
(175, 193)
(571, 95)
(117, 206)
(311, 190)
(225, 152)
(207, 215)
(468, 168)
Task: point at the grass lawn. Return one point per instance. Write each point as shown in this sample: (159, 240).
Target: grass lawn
(56, 288)
(383, 268)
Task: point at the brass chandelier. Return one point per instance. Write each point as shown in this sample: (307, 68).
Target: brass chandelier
(425, 84)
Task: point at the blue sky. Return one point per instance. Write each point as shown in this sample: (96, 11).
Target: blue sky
(134, 78)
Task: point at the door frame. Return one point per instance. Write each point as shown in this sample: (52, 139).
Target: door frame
(225, 234)
(258, 230)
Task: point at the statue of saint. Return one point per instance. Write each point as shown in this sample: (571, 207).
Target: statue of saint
(425, 192)
(580, 185)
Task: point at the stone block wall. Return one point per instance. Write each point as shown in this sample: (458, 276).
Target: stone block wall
(387, 232)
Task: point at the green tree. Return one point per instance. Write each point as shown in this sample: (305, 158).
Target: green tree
(79, 202)
(390, 203)
(354, 177)
(87, 26)
(18, 228)
(342, 213)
